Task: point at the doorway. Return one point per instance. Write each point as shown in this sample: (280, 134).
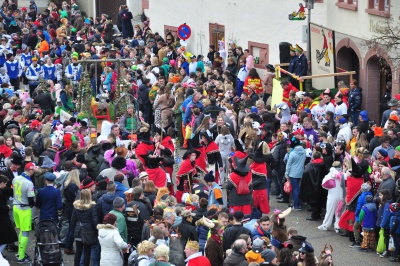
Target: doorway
(217, 33)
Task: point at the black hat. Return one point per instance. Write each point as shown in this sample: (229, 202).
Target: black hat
(195, 141)
(239, 145)
(81, 158)
(270, 67)
(357, 170)
(17, 159)
(152, 162)
(189, 152)
(240, 166)
(209, 177)
(207, 134)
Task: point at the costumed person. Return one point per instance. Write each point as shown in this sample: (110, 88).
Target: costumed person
(215, 197)
(201, 161)
(241, 77)
(311, 190)
(214, 159)
(279, 229)
(154, 170)
(166, 148)
(353, 190)
(259, 176)
(333, 183)
(33, 73)
(145, 146)
(253, 79)
(239, 186)
(184, 176)
(193, 255)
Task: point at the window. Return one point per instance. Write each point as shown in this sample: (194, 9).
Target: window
(260, 52)
(348, 4)
(379, 8)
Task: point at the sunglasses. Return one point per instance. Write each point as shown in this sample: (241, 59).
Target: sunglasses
(302, 253)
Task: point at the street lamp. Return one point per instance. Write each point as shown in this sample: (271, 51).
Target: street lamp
(310, 5)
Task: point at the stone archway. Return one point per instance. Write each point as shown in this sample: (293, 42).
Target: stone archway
(347, 59)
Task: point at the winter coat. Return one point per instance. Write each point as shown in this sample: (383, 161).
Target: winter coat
(258, 232)
(385, 220)
(120, 189)
(388, 184)
(39, 177)
(214, 253)
(368, 215)
(105, 205)
(202, 232)
(295, 163)
(8, 234)
(44, 101)
(121, 224)
(151, 196)
(231, 234)
(355, 99)
(70, 192)
(395, 224)
(360, 202)
(311, 190)
(235, 259)
(187, 231)
(111, 244)
(135, 224)
(279, 151)
(83, 214)
(143, 96)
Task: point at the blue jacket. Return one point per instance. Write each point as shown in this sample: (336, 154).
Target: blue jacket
(202, 232)
(292, 64)
(355, 99)
(361, 202)
(48, 200)
(188, 112)
(395, 224)
(120, 189)
(385, 223)
(107, 81)
(368, 216)
(301, 67)
(295, 164)
(105, 205)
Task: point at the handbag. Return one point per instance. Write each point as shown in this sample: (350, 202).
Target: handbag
(88, 234)
(328, 182)
(287, 187)
(381, 247)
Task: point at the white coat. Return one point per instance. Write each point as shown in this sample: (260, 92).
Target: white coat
(111, 245)
(344, 132)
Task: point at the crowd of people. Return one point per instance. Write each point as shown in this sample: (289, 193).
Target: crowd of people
(124, 195)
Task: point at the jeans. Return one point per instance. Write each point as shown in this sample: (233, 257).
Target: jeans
(354, 117)
(396, 238)
(280, 175)
(268, 188)
(295, 192)
(69, 242)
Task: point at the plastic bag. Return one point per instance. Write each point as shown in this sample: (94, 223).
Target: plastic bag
(381, 247)
(391, 244)
(287, 187)
(188, 132)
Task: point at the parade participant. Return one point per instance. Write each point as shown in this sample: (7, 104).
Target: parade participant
(13, 70)
(239, 186)
(301, 68)
(259, 176)
(287, 88)
(241, 77)
(24, 193)
(74, 71)
(193, 256)
(214, 159)
(48, 200)
(33, 73)
(215, 198)
(5, 49)
(184, 176)
(154, 170)
(50, 71)
(145, 145)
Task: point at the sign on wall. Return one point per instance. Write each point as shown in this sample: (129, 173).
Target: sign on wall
(323, 60)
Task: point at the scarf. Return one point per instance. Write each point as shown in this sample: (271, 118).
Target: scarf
(217, 239)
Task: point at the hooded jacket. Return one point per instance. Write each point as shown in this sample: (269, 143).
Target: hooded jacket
(143, 96)
(295, 163)
(310, 188)
(368, 216)
(111, 244)
(105, 205)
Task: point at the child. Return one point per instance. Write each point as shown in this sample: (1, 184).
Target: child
(225, 143)
(254, 255)
(384, 217)
(395, 230)
(365, 188)
(367, 219)
(375, 176)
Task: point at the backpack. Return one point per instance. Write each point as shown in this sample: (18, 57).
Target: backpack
(38, 144)
(242, 188)
(133, 259)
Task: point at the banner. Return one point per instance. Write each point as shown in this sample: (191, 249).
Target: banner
(277, 93)
(64, 116)
(323, 60)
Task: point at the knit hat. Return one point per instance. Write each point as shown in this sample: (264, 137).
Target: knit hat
(398, 148)
(209, 177)
(378, 132)
(109, 219)
(255, 214)
(364, 115)
(365, 187)
(257, 245)
(268, 255)
(118, 202)
(87, 183)
(383, 152)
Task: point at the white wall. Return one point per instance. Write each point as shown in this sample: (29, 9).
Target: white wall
(135, 6)
(262, 21)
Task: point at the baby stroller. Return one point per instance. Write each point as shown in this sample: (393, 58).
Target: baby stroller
(47, 249)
